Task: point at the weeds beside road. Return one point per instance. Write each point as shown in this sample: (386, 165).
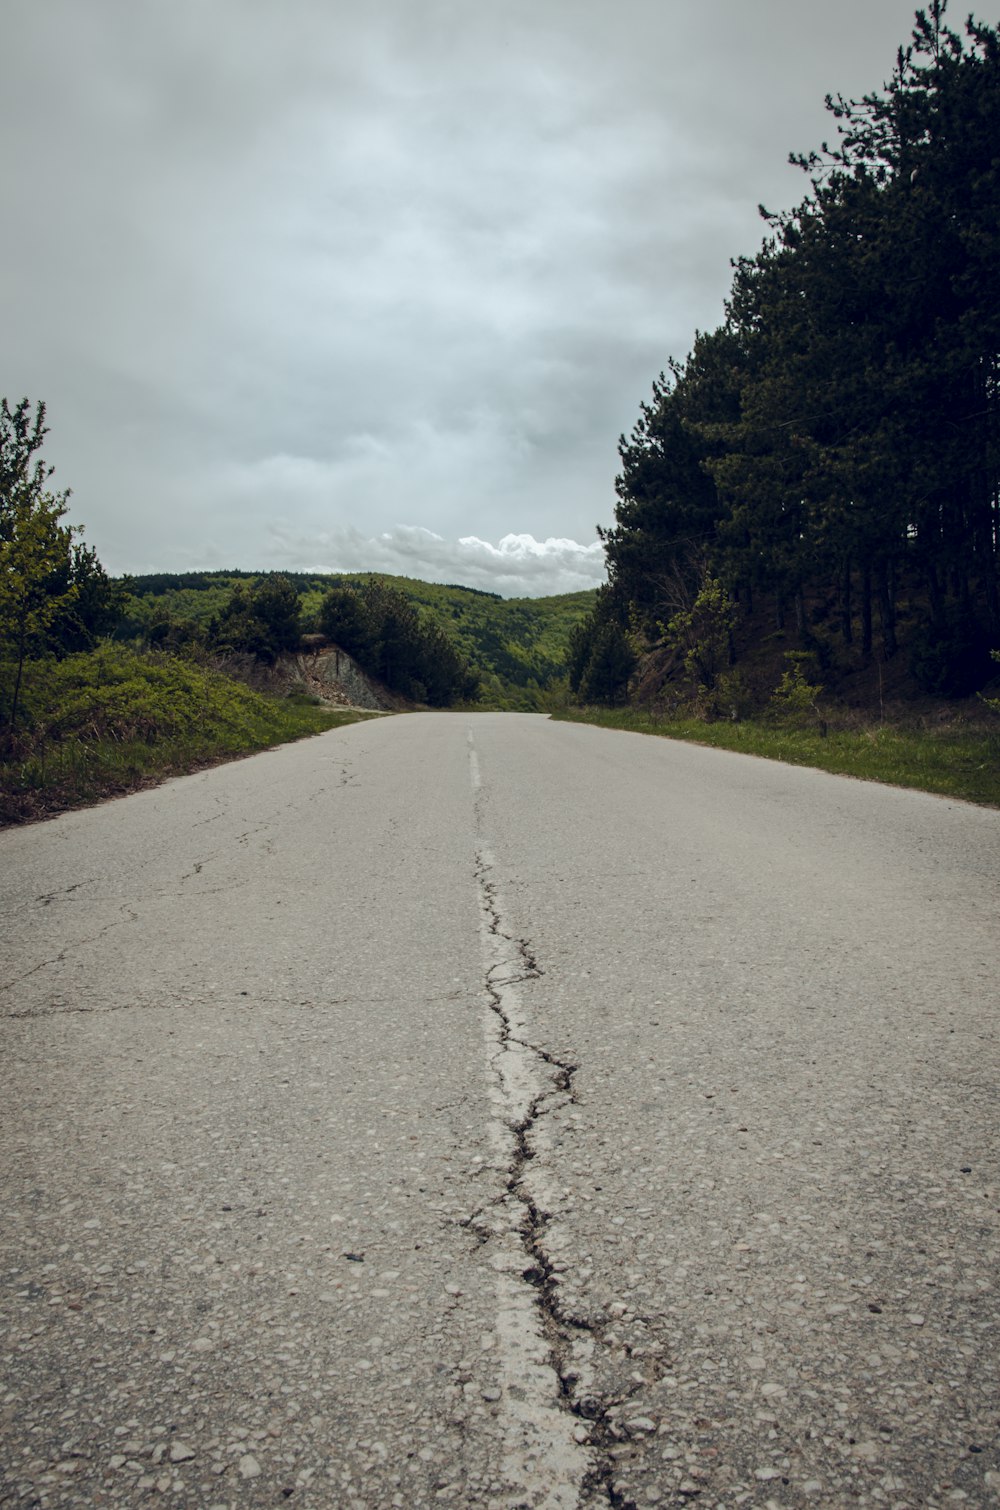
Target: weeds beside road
(112, 720)
(954, 761)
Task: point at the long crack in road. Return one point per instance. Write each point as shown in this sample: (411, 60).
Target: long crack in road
(539, 1119)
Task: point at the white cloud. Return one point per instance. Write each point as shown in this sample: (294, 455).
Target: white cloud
(527, 567)
(518, 566)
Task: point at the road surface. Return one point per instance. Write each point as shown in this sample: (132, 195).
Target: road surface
(485, 1111)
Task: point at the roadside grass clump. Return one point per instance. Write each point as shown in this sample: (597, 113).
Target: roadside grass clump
(958, 760)
(115, 719)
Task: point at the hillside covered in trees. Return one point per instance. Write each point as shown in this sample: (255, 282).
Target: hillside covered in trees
(435, 643)
(821, 474)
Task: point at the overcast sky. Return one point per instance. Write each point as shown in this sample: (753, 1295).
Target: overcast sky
(329, 285)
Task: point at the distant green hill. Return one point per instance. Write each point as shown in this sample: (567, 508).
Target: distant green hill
(518, 644)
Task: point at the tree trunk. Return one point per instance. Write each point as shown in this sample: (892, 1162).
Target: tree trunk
(800, 613)
(991, 580)
(22, 645)
(989, 555)
(887, 608)
(985, 522)
(846, 627)
(866, 611)
(779, 611)
(935, 594)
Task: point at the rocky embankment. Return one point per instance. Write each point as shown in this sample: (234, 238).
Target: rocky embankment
(322, 671)
(337, 678)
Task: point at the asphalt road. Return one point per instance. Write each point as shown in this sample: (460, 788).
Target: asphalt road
(484, 1111)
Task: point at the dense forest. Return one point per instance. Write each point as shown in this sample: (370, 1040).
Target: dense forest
(822, 471)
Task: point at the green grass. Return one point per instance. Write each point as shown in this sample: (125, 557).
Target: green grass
(114, 720)
(961, 762)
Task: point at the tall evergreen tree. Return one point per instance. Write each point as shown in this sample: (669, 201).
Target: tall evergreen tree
(668, 511)
(840, 433)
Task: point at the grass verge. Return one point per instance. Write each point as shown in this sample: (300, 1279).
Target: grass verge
(114, 720)
(959, 762)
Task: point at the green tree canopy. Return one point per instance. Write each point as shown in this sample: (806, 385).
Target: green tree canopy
(838, 437)
(55, 596)
(388, 637)
(261, 618)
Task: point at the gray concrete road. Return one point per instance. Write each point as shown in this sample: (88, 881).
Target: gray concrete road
(481, 1111)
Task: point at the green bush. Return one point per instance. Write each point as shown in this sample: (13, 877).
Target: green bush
(702, 634)
(732, 697)
(114, 718)
(795, 696)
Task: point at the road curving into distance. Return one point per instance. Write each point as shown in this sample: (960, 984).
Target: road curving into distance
(477, 1110)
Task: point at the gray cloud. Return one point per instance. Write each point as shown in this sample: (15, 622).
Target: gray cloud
(326, 268)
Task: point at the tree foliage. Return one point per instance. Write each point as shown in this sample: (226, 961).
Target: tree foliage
(386, 634)
(601, 656)
(55, 597)
(838, 437)
(703, 633)
(261, 618)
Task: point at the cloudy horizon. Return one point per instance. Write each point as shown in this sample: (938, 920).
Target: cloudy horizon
(324, 288)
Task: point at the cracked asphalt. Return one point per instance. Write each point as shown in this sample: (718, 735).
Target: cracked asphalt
(480, 1110)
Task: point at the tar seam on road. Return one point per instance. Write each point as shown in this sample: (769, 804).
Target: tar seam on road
(557, 1431)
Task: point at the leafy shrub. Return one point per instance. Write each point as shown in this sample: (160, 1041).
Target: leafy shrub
(111, 719)
(702, 634)
(732, 697)
(993, 703)
(796, 696)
